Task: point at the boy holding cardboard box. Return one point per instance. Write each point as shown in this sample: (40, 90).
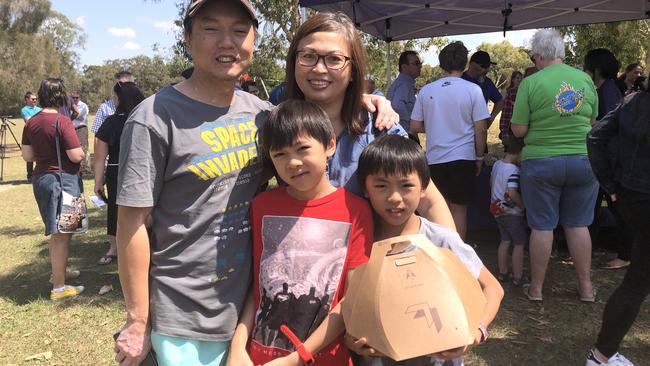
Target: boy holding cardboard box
(394, 173)
(307, 235)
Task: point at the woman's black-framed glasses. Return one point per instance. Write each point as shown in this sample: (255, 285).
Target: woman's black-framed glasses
(332, 61)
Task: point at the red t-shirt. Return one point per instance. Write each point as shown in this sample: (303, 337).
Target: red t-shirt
(39, 133)
(302, 251)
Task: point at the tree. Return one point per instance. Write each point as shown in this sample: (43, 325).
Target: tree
(508, 59)
(627, 40)
(151, 74)
(36, 43)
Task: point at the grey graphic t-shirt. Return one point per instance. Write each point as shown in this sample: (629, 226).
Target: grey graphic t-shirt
(197, 166)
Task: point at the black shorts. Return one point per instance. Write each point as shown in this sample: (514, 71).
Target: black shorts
(455, 180)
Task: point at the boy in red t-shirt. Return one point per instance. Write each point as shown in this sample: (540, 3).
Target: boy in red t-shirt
(307, 235)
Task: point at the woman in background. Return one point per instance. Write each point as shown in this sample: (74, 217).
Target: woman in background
(39, 145)
(555, 109)
(107, 143)
(626, 178)
(509, 96)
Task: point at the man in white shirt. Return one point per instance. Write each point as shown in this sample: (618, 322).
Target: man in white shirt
(453, 114)
(81, 128)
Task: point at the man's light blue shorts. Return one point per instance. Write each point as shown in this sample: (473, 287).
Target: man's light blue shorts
(175, 351)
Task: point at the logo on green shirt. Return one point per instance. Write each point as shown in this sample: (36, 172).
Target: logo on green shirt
(568, 100)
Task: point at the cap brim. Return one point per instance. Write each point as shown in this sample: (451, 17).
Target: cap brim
(249, 10)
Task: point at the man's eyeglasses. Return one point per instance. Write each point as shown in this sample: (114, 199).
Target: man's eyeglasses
(532, 58)
(416, 63)
(75, 97)
(332, 61)
(33, 99)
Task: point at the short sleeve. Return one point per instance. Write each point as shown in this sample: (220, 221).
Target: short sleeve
(418, 113)
(69, 139)
(494, 94)
(25, 138)
(361, 236)
(513, 180)
(479, 108)
(143, 156)
(464, 252)
(521, 110)
(104, 132)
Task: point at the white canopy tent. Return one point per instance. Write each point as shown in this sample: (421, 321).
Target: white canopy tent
(395, 20)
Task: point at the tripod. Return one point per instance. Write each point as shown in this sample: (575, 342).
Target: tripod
(4, 127)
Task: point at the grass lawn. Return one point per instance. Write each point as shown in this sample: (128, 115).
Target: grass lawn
(35, 331)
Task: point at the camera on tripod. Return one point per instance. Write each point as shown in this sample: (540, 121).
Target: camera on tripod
(5, 123)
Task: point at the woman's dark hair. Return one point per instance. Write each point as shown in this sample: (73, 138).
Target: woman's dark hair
(604, 61)
(128, 96)
(632, 66)
(51, 93)
(453, 57)
(393, 155)
(341, 24)
(289, 120)
(513, 76)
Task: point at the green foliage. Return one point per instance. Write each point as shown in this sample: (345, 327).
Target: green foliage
(151, 74)
(36, 43)
(376, 50)
(508, 59)
(627, 40)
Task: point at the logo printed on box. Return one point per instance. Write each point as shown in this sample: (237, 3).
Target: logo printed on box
(428, 312)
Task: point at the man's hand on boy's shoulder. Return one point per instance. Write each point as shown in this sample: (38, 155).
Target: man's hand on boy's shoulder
(360, 346)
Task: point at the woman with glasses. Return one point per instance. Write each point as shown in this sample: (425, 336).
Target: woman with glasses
(554, 111)
(326, 64)
(39, 145)
(107, 143)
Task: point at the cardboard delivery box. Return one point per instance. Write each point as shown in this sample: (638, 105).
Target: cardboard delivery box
(412, 299)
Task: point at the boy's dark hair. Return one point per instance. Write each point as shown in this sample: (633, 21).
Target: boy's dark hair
(51, 93)
(28, 95)
(604, 61)
(453, 57)
(245, 86)
(393, 155)
(515, 145)
(288, 121)
(404, 58)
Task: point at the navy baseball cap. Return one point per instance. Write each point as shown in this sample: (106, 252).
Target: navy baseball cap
(482, 58)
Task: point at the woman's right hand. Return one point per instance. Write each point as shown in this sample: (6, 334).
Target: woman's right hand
(99, 187)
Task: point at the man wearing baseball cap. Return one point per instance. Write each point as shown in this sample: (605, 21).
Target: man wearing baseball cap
(479, 65)
(188, 161)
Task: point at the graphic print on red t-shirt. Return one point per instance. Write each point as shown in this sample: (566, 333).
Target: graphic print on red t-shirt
(300, 268)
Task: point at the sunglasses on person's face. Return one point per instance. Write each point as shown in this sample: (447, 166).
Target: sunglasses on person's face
(33, 99)
(75, 97)
(532, 58)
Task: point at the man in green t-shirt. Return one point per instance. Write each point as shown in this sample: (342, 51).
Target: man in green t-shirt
(554, 110)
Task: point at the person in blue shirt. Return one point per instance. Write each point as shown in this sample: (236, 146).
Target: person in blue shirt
(479, 65)
(30, 109)
(401, 92)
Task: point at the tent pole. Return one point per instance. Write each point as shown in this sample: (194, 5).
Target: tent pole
(388, 73)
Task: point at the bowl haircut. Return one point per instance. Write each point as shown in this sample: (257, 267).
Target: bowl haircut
(393, 155)
(288, 121)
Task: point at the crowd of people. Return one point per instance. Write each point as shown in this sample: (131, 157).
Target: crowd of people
(212, 263)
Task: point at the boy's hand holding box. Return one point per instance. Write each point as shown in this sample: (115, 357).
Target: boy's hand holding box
(413, 299)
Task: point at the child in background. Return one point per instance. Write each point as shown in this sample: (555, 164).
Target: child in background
(394, 173)
(307, 235)
(508, 209)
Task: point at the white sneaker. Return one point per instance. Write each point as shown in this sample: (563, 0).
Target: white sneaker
(616, 360)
